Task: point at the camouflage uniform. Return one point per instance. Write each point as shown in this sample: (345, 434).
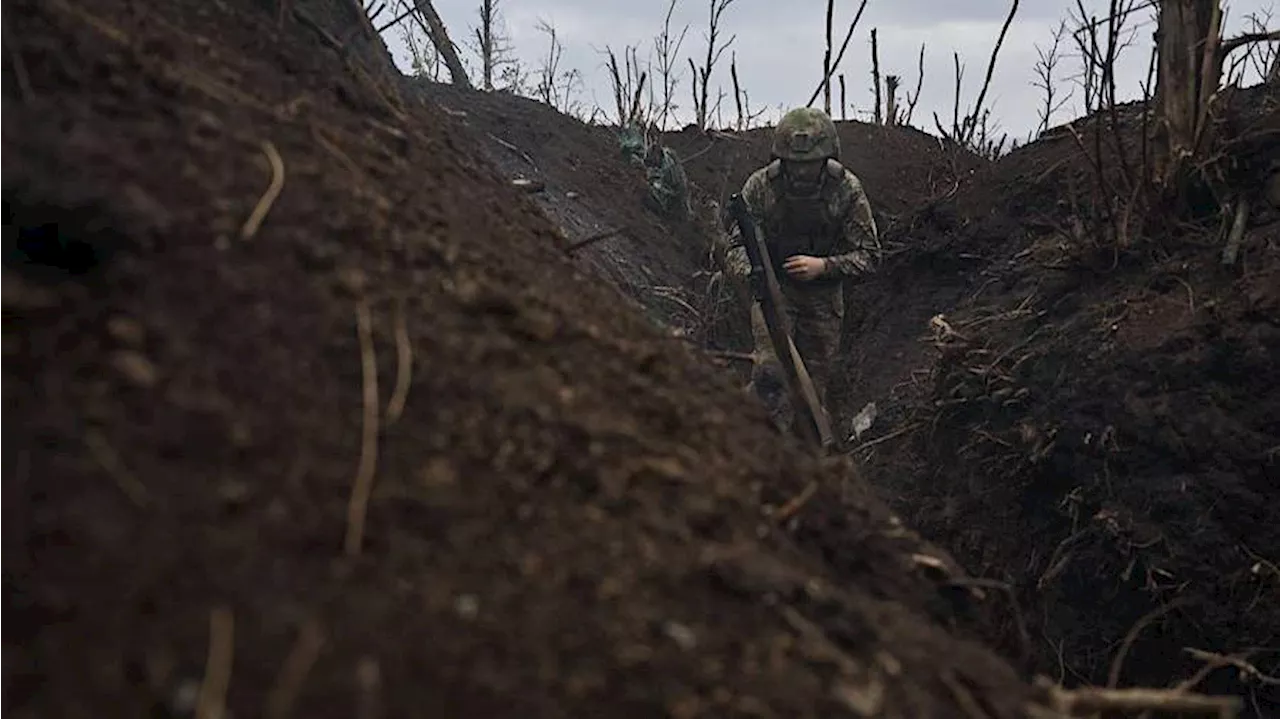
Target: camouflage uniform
(830, 219)
(668, 183)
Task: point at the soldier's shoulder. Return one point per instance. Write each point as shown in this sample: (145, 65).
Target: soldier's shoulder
(759, 183)
(761, 176)
(847, 184)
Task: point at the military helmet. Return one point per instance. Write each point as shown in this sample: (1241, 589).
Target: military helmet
(806, 133)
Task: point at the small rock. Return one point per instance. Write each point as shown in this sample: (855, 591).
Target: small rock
(352, 279)
(467, 606)
(681, 635)
(135, 368)
(572, 195)
(522, 183)
(126, 330)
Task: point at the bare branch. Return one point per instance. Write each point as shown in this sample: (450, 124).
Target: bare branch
(715, 48)
(839, 55)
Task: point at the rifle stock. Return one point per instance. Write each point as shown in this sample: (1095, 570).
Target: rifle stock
(765, 291)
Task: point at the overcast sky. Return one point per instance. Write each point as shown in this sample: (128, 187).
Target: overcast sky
(779, 47)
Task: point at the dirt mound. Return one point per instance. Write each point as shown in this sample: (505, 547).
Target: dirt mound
(1094, 427)
(239, 282)
(901, 168)
(588, 189)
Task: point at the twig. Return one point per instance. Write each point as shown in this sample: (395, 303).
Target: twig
(1089, 700)
(325, 36)
(1113, 676)
(726, 354)
(523, 155)
(1245, 667)
(358, 508)
(294, 672)
(794, 504)
(212, 701)
(1236, 236)
(107, 458)
(592, 239)
(404, 365)
(268, 198)
(884, 438)
(1191, 295)
(19, 70)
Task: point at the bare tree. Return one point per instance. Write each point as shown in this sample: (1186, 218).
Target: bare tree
(831, 67)
(435, 29)
(913, 98)
(875, 75)
(628, 81)
(746, 118)
(424, 59)
(826, 62)
(891, 99)
(844, 102)
(667, 49)
(702, 75)
(495, 50)
(1045, 68)
(973, 130)
(554, 87)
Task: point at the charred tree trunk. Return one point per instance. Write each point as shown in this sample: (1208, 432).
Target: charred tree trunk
(826, 62)
(1189, 70)
(891, 99)
(485, 32)
(440, 38)
(875, 75)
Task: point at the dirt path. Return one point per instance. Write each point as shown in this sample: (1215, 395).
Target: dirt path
(214, 237)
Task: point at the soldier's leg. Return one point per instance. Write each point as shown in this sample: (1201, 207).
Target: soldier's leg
(816, 322)
(767, 382)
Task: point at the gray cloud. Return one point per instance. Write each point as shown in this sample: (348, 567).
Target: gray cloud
(778, 48)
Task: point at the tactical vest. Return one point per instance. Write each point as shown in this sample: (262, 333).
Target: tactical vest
(801, 225)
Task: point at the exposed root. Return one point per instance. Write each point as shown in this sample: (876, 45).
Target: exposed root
(212, 701)
(1113, 676)
(518, 152)
(404, 365)
(107, 458)
(358, 507)
(293, 674)
(268, 198)
(1248, 670)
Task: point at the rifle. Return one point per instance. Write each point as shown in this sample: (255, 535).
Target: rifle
(814, 423)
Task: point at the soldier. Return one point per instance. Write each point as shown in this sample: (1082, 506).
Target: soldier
(816, 222)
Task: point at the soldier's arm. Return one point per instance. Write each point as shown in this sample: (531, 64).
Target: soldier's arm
(858, 246)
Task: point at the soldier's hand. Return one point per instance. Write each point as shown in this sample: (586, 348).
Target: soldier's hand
(804, 267)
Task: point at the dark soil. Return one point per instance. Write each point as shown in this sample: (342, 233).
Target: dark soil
(587, 188)
(567, 515)
(1095, 427)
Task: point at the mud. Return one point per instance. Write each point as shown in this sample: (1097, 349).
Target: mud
(217, 236)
